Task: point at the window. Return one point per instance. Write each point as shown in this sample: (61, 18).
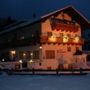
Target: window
(50, 54)
(35, 54)
(25, 55)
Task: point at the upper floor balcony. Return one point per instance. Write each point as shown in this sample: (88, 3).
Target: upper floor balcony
(62, 40)
(64, 25)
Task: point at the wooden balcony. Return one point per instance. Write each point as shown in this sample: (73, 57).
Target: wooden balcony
(65, 27)
(45, 39)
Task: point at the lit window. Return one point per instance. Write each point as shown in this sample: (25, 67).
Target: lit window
(26, 54)
(12, 55)
(22, 54)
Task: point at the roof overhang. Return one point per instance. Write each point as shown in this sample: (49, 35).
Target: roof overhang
(76, 15)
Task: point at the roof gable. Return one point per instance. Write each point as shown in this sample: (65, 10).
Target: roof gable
(70, 10)
(76, 15)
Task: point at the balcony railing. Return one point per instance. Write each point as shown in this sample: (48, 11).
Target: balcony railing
(34, 41)
(64, 25)
(59, 40)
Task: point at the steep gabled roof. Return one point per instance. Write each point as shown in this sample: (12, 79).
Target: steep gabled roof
(75, 14)
(70, 10)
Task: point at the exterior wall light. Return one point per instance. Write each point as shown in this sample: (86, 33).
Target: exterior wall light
(20, 61)
(24, 54)
(40, 47)
(31, 61)
(13, 52)
(3, 59)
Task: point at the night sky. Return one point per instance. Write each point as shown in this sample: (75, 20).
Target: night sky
(24, 9)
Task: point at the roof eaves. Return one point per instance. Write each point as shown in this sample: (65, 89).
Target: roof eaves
(81, 15)
(20, 25)
(49, 14)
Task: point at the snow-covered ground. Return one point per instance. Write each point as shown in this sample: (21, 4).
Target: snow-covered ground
(37, 82)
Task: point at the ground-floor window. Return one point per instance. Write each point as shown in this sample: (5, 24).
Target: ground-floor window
(25, 54)
(36, 54)
(50, 54)
(24, 64)
(29, 54)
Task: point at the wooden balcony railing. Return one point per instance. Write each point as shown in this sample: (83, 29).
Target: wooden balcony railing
(45, 39)
(64, 27)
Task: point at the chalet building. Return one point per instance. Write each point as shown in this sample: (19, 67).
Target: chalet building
(50, 42)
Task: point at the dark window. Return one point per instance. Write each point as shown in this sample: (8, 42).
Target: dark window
(24, 64)
(28, 54)
(50, 54)
(35, 54)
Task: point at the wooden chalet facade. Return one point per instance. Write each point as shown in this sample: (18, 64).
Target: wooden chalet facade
(46, 43)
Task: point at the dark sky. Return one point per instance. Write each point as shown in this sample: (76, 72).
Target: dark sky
(23, 9)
